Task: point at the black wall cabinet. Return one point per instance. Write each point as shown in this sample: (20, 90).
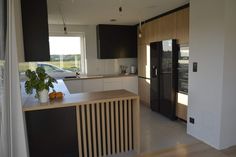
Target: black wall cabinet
(116, 41)
(52, 132)
(35, 30)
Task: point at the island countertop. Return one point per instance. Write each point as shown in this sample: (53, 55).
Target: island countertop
(32, 104)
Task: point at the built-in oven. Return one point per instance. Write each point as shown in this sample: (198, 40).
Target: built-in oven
(183, 63)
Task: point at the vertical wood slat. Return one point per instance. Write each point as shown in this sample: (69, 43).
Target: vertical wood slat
(126, 125)
(136, 124)
(103, 129)
(121, 127)
(117, 128)
(94, 131)
(99, 130)
(130, 125)
(113, 127)
(89, 130)
(79, 131)
(84, 131)
(108, 128)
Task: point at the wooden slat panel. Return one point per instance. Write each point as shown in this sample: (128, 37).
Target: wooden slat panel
(108, 128)
(130, 125)
(121, 127)
(113, 127)
(94, 131)
(84, 131)
(103, 129)
(117, 128)
(126, 125)
(99, 130)
(79, 131)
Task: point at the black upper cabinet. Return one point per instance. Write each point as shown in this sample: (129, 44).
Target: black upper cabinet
(116, 41)
(35, 30)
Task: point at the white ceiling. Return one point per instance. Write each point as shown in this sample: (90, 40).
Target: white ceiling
(92, 12)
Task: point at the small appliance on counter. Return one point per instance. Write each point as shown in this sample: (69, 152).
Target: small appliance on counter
(123, 69)
(133, 69)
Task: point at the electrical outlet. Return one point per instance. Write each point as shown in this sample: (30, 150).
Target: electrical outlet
(191, 120)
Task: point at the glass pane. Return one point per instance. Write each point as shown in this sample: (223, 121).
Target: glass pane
(65, 53)
(166, 62)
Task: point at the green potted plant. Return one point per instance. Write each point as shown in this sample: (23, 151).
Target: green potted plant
(39, 81)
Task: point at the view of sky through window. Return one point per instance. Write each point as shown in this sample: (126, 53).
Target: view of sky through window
(61, 45)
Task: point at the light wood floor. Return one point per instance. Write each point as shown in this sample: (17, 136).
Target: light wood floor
(192, 150)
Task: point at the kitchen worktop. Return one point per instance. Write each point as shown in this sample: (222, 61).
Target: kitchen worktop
(82, 77)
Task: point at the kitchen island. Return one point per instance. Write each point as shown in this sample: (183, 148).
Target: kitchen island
(85, 124)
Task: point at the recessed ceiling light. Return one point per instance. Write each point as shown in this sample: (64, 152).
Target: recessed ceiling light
(113, 20)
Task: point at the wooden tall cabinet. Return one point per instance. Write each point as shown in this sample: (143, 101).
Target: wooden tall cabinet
(171, 26)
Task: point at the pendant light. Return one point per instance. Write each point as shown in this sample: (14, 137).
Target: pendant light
(63, 20)
(140, 29)
(120, 8)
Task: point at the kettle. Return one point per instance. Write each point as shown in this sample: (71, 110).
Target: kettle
(132, 69)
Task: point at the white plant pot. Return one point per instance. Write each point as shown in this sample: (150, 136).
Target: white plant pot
(43, 96)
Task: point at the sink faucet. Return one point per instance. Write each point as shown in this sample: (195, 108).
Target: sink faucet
(77, 74)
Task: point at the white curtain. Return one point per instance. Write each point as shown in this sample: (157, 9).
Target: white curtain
(13, 138)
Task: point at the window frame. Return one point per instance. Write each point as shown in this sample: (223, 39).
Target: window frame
(83, 63)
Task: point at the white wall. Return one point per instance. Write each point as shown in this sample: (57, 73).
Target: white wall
(210, 98)
(94, 66)
(228, 121)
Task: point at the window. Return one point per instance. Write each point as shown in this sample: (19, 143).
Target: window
(65, 52)
(67, 55)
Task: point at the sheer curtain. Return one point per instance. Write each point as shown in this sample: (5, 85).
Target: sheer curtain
(12, 131)
(4, 110)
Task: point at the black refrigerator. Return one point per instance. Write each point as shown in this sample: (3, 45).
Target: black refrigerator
(164, 77)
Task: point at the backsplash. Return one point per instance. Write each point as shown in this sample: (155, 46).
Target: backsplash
(108, 66)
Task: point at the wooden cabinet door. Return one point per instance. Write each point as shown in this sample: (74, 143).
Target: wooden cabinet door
(35, 30)
(92, 85)
(112, 84)
(142, 40)
(143, 61)
(151, 31)
(140, 60)
(52, 133)
(74, 86)
(167, 27)
(116, 41)
(181, 111)
(144, 91)
(182, 26)
(130, 84)
(155, 27)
